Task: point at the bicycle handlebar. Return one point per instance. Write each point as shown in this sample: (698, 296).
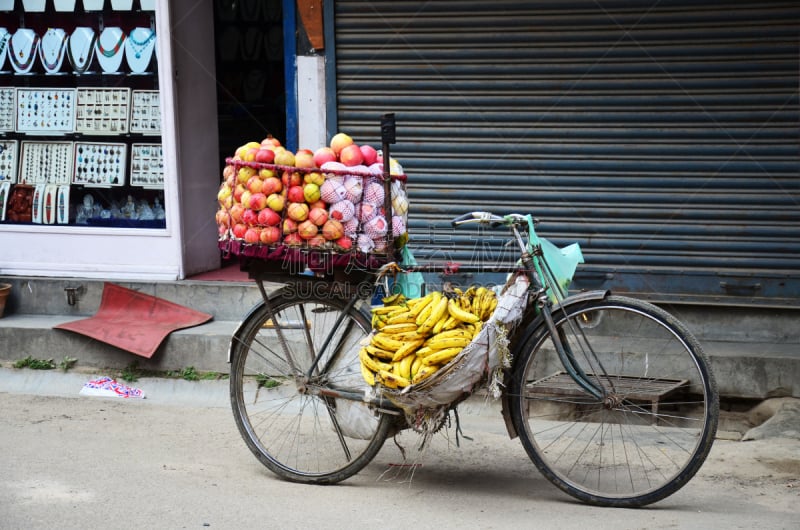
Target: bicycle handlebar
(488, 218)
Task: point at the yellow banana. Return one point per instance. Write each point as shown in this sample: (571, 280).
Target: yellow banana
(460, 314)
(441, 356)
(450, 323)
(418, 304)
(383, 310)
(416, 364)
(394, 299)
(424, 373)
(458, 332)
(369, 377)
(386, 342)
(379, 352)
(437, 313)
(406, 350)
(402, 317)
(444, 343)
(404, 367)
(423, 315)
(371, 363)
(391, 329)
(439, 326)
(392, 380)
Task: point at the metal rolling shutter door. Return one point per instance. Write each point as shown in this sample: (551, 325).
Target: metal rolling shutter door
(661, 136)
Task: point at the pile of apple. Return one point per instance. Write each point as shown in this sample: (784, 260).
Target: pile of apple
(331, 198)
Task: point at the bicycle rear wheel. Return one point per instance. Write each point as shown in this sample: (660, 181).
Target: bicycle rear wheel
(652, 431)
(294, 431)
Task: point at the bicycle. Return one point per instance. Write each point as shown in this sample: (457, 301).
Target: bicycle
(612, 398)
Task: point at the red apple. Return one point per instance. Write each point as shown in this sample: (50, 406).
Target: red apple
(304, 158)
(270, 141)
(317, 241)
(293, 239)
(252, 235)
(339, 142)
(271, 185)
(289, 226)
(297, 211)
(254, 184)
(332, 229)
(239, 230)
(322, 155)
(236, 212)
(369, 153)
(258, 201)
(311, 192)
(318, 204)
(307, 229)
(224, 194)
(223, 218)
(270, 235)
(318, 216)
(291, 178)
(265, 156)
(343, 243)
(250, 217)
(268, 217)
(276, 201)
(351, 156)
(296, 194)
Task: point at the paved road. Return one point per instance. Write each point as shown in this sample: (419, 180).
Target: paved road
(165, 462)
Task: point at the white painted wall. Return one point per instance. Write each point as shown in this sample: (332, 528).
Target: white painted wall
(311, 102)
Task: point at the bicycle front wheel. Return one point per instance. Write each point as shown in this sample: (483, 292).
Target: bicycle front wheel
(278, 392)
(653, 427)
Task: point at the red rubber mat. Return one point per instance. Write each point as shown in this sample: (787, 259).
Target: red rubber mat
(134, 321)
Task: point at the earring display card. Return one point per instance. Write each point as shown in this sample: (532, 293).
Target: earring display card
(147, 166)
(146, 112)
(102, 110)
(100, 164)
(6, 110)
(8, 160)
(45, 110)
(45, 162)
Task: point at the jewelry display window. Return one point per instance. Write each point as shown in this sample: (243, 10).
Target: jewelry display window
(8, 160)
(7, 113)
(147, 166)
(100, 164)
(80, 112)
(45, 110)
(146, 112)
(45, 163)
(102, 111)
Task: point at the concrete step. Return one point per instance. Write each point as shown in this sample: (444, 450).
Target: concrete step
(754, 370)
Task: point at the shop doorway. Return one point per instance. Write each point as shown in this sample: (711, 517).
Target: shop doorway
(250, 72)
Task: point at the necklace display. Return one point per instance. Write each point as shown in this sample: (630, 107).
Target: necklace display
(139, 49)
(22, 50)
(52, 48)
(45, 162)
(5, 36)
(81, 49)
(109, 49)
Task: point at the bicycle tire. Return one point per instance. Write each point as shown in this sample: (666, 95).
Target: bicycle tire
(299, 436)
(627, 450)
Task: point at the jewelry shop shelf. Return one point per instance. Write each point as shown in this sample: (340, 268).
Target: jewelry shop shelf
(45, 162)
(100, 164)
(8, 160)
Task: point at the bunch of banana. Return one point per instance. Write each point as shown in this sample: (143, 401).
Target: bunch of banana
(416, 337)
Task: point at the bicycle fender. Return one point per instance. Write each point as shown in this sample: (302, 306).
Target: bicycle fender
(530, 328)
